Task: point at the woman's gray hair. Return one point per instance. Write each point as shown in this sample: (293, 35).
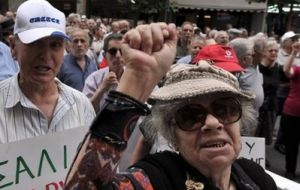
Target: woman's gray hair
(242, 47)
(161, 120)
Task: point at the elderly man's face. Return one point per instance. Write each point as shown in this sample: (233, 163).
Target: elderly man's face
(39, 61)
(211, 142)
(222, 38)
(74, 22)
(187, 31)
(79, 44)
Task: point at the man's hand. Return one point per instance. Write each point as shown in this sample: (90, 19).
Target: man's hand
(149, 51)
(109, 80)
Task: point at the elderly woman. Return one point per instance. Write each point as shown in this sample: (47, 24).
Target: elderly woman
(270, 71)
(198, 110)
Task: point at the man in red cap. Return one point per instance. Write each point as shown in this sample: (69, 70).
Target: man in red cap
(221, 56)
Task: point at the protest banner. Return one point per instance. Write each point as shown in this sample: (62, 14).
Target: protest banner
(254, 148)
(39, 163)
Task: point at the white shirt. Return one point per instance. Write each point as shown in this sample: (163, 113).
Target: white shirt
(21, 119)
(93, 82)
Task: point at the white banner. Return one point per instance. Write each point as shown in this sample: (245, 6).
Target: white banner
(39, 163)
(254, 149)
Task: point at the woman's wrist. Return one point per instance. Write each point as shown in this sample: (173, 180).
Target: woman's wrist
(137, 85)
(117, 120)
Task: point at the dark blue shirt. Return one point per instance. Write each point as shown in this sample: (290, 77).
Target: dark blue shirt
(71, 73)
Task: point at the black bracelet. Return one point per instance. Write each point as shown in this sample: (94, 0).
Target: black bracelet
(127, 102)
(114, 124)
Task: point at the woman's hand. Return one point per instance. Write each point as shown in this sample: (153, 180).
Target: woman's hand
(149, 51)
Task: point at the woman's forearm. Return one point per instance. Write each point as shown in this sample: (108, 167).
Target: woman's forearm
(95, 165)
(99, 155)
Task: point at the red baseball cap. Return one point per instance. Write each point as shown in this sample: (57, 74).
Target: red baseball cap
(221, 56)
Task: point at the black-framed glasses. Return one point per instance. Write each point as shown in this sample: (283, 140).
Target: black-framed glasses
(113, 51)
(191, 117)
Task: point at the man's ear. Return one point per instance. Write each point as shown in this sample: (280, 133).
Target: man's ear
(12, 44)
(244, 61)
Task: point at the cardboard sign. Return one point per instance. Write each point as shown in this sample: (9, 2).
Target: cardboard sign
(39, 163)
(254, 149)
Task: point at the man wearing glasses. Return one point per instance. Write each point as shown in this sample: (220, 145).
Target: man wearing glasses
(100, 82)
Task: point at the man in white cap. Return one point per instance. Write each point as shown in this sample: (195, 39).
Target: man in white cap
(34, 102)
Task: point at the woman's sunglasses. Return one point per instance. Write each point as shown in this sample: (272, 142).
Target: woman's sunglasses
(193, 116)
(113, 51)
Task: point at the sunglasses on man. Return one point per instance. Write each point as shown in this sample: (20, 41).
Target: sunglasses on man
(113, 51)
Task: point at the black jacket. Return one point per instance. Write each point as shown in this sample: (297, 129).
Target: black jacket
(168, 171)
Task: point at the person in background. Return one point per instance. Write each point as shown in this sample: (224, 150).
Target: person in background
(287, 40)
(113, 29)
(211, 34)
(221, 37)
(100, 82)
(6, 26)
(198, 110)
(267, 112)
(8, 65)
(98, 41)
(185, 36)
(73, 20)
(36, 103)
(245, 33)
(251, 79)
(124, 26)
(91, 25)
(221, 56)
(196, 43)
(259, 41)
(290, 120)
(234, 33)
(77, 66)
(10, 14)
(83, 22)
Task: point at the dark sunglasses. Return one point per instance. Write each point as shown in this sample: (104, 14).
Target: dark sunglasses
(193, 116)
(113, 51)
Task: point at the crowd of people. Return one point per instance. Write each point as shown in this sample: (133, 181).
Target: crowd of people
(197, 92)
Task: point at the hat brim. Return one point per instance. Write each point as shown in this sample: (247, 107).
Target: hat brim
(32, 35)
(229, 66)
(195, 87)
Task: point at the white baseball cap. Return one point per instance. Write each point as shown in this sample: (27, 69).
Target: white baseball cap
(287, 35)
(36, 19)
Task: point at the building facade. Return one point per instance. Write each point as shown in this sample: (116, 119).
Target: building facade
(212, 13)
(218, 13)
